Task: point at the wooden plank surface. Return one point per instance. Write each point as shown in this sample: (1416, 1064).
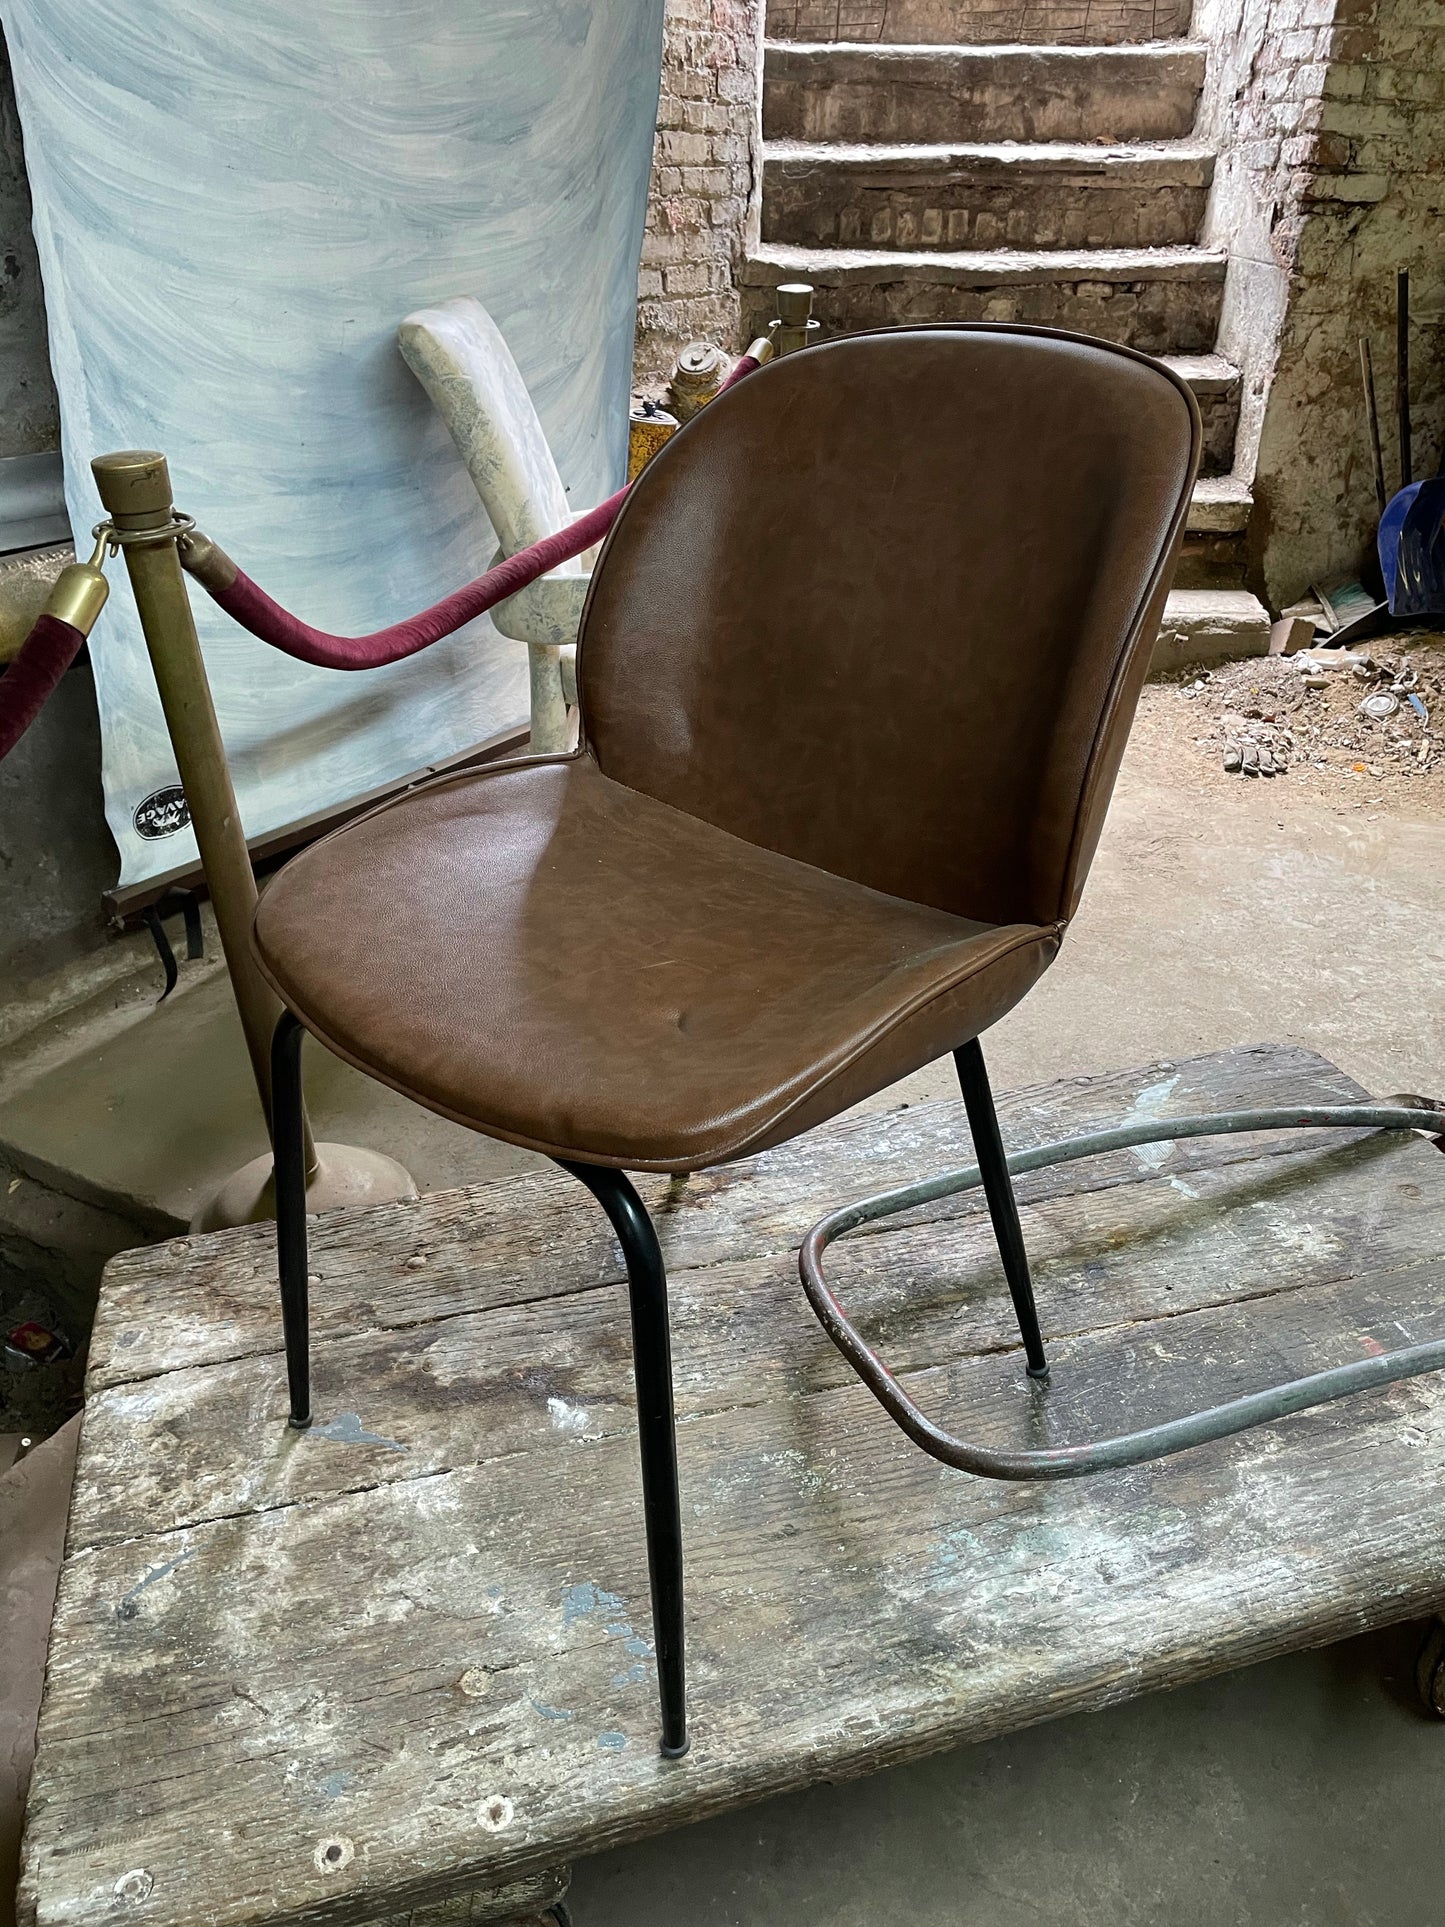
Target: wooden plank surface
(421, 1629)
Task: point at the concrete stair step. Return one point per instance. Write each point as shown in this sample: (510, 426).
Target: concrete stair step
(1214, 554)
(1161, 300)
(950, 93)
(1057, 194)
(1221, 506)
(980, 22)
(1210, 625)
(1212, 562)
(1215, 383)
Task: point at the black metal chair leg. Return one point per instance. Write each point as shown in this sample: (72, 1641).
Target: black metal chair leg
(657, 1434)
(288, 1140)
(998, 1189)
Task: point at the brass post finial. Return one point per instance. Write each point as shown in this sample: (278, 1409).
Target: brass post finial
(794, 327)
(134, 483)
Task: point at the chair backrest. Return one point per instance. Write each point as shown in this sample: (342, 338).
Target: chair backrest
(888, 604)
(457, 353)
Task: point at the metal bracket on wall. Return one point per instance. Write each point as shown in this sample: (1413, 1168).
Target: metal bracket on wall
(33, 514)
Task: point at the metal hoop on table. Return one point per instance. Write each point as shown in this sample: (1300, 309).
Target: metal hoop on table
(1155, 1441)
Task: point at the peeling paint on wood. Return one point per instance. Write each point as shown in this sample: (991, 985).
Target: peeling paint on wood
(421, 1631)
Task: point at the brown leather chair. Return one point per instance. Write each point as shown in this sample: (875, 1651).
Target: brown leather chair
(856, 670)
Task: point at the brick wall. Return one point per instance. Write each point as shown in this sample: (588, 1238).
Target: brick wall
(704, 169)
(1262, 101)
(1368, 182)
(1329, 121)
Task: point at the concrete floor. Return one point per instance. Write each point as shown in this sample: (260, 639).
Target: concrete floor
(1304, 1793)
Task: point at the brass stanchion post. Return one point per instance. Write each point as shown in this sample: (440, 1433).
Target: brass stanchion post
(135, 488)
(794, 327)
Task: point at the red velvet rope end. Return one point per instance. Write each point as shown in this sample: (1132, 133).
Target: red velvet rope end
(45, 655)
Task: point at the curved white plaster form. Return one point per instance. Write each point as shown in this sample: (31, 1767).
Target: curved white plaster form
(236, 202)
(459, 355)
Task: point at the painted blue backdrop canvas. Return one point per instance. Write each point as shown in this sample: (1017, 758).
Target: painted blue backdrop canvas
(236, 201)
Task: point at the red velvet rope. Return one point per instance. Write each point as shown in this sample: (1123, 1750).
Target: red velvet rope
(52, 645)
(255, 610)
(45, 655)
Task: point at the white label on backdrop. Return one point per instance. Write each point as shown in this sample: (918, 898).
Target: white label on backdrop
(236, 201)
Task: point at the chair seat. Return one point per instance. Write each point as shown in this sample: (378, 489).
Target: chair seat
(557, 960)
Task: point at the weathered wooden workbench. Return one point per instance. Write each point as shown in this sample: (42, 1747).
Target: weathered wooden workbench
(344, 1674)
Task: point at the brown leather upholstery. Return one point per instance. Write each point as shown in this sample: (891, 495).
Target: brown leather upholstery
(856, 672)
(881, 616)
(581, 968)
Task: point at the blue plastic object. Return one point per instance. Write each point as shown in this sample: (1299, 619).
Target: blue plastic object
(1411, 544)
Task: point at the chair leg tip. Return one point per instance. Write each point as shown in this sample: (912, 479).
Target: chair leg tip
(1039, 1372)
(673, 1752)
(299, 1422)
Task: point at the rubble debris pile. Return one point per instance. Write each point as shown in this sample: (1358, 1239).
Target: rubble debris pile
(1370, 712)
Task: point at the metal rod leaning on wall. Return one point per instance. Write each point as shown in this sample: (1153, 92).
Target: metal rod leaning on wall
(135, 489)
(1402, 375)
(1372, 421)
